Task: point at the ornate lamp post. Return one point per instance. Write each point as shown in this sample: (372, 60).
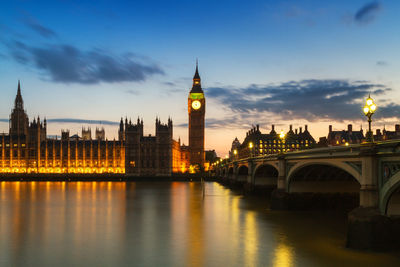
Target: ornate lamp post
(282, 137)
(251, 148)
(235, 154)
(369, 110)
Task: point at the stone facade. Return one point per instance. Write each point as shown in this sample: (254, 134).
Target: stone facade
(27, 149)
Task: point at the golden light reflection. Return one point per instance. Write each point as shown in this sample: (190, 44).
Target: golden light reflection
(251, 242)
(283, 255)
(196, 233)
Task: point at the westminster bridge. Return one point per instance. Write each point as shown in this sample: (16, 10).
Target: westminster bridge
(366, 175)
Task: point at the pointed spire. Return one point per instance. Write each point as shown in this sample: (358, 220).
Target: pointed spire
(19, 88)
(19, 103)
(196, 88)
(196, 74)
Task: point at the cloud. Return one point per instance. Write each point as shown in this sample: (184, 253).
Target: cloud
(71, 120)
(367, 13)
(132, 92)
(381, 63)
(237, 121)
(40, 29)
(311, 100)
(169, 83)
(68, 64)
(82, 121)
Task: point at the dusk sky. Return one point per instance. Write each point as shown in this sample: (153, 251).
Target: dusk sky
(261, 62)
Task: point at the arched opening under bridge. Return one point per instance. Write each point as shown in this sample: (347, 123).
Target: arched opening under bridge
(393, 204)
(243, 171)
(265, 177)
(323, 186)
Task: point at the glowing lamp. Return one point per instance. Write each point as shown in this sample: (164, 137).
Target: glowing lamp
(369, 109)
(282, 135)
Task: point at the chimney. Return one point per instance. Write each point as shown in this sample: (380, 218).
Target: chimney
(397, 127)
(305, 128)
(273, 127)
(330, 128)
(295, 131)
(301, 129)
(258, 127)
(350, 128)
(290, 128)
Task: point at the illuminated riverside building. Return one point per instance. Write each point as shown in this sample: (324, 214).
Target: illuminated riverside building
(27, 149)
(343, 137)
(257, 144)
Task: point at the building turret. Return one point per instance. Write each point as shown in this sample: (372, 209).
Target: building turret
(100, 134)
(19, 121)
(64, 135)
(86, 134)
(121, 132)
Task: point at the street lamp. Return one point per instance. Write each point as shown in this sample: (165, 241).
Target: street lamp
(282, 137)
(250, 148)
(369, 110)
(234, 154)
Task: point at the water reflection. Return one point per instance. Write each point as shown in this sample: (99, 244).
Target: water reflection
(163, 224)
(283, 255)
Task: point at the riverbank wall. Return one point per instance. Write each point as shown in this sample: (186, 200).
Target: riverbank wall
(50, 177)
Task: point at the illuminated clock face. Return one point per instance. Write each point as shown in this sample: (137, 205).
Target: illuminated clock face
(196, 104)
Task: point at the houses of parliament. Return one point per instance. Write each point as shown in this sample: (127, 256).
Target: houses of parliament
(28, 149)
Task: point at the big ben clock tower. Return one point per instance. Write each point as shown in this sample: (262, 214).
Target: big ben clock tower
(197, 110)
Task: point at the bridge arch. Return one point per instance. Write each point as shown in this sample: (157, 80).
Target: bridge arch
(265, 175)
(242, 173)
(390, 196)
(264, 164)
(323, 177)
(340, 165)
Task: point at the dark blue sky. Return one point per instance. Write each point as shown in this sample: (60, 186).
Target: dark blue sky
(263, 62)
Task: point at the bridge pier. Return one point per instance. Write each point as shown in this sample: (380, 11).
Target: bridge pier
(280, 196)
(248, 186)
(367, 227)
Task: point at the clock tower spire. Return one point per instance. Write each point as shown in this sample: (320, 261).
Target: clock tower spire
(196, 110)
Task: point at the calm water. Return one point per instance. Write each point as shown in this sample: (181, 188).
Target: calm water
(164, 224)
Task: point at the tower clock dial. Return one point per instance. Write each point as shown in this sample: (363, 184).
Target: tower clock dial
(196, 104)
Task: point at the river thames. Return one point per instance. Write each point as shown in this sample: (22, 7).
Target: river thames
(165, 224)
